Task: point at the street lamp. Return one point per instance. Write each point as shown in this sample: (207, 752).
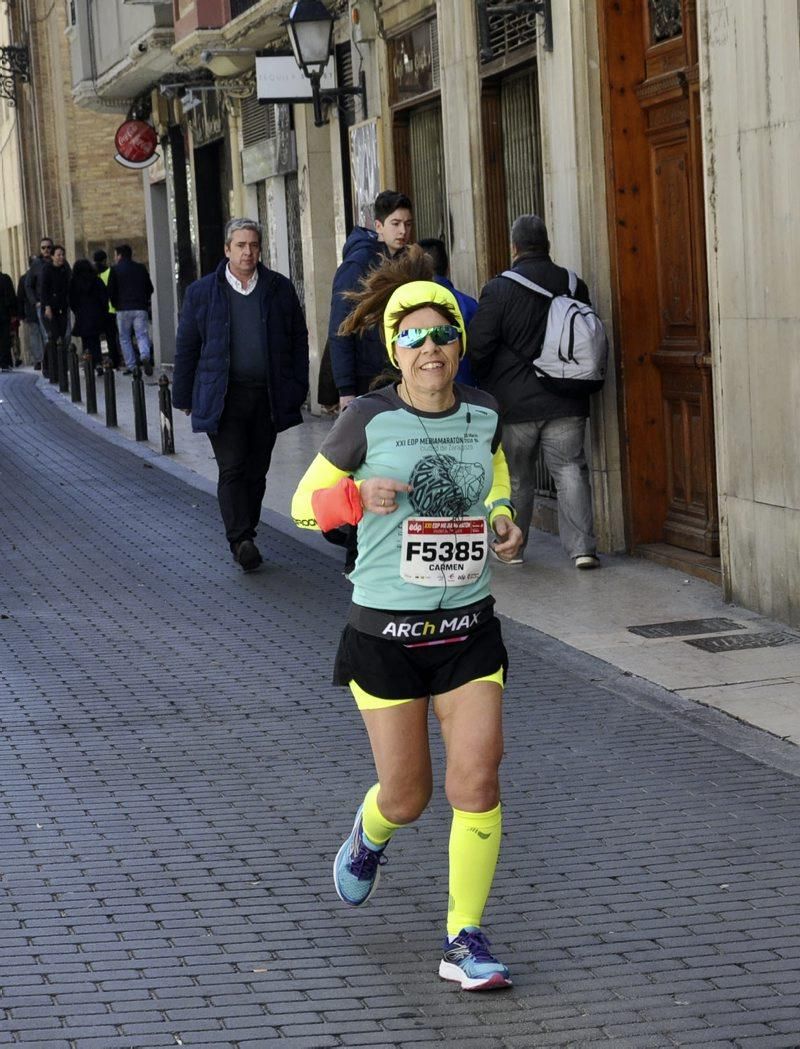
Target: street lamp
(310, 29)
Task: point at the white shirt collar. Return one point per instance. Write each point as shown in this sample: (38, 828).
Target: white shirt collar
(237, 285)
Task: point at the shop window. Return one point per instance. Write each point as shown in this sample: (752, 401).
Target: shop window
(259, 120)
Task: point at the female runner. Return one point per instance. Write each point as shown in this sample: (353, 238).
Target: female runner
(419, 468)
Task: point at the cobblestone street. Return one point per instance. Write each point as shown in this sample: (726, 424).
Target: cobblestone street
(177, 774)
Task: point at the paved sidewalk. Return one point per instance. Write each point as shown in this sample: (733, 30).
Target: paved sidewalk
(592, 611)
(177, 774)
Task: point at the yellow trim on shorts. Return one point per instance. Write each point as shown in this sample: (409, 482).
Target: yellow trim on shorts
(364, 701)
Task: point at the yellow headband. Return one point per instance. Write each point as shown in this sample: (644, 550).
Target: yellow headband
(406, 298)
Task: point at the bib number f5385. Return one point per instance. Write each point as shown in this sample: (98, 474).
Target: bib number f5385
(438, 551)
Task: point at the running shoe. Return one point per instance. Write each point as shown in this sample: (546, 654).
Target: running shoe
(356, 869)
(468, 961)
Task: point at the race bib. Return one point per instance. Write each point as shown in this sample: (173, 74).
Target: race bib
(438, 551)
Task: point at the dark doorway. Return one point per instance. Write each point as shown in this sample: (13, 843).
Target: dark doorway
(208, 167)
(512, 156)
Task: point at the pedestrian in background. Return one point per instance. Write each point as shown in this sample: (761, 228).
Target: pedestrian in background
(33, 289)
(54, 284)
(100, 259)
(437, 252)
(506, 334)
(32, 340)
(88, 299)
(241, 371)
(8, 313)
(356, 358)
(130, 290)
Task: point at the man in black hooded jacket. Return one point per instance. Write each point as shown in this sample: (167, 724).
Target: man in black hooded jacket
(504, 336)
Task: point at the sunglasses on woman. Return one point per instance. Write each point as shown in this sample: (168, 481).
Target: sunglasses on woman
(413, 338)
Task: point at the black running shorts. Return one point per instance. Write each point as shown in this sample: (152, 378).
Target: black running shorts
(392, 670)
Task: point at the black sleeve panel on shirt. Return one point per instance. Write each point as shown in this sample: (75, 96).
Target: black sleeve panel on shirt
(472, 395)
(346, 444)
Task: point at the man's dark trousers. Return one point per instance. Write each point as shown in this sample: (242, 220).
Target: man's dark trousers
(112, 339)
(243, 447)
(6, 360)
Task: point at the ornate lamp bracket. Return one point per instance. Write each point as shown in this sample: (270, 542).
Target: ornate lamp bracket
(14, 65)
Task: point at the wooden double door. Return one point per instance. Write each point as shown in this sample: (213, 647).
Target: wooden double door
(656, 206)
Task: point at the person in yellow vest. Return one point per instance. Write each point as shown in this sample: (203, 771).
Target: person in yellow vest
(100, 259)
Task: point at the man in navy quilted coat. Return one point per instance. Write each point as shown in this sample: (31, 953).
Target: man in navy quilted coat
(241, 371)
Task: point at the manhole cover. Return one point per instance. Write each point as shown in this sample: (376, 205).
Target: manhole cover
(685, 627)
(734, 643)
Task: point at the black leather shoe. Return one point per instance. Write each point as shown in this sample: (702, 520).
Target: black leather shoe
(247, 554)
(148, 366)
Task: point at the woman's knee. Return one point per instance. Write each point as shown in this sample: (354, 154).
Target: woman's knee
(403, 802)
(474, 796)
(474, 789)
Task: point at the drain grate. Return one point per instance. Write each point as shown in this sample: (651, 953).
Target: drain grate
(684, 627)
(734, 643)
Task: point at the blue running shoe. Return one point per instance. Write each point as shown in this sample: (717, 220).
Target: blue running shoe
(467, 960)
(356, 869)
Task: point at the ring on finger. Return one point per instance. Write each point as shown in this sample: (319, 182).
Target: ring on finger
(383, 501)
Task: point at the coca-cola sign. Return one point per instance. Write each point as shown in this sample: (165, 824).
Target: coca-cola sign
(136, 143)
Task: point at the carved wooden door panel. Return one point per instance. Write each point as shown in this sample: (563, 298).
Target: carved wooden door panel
(670, 99)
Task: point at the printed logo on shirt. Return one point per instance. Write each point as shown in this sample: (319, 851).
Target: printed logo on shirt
(444, 487)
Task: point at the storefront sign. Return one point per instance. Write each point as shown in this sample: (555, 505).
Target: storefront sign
(412, 67)
(205, 118)
(280, 79)
(136, 142)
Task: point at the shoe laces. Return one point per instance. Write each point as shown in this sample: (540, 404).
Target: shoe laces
(365, 861)
(477, 945)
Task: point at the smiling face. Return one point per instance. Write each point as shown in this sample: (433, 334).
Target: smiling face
(429, 370)
(59, 258)
(243, 253)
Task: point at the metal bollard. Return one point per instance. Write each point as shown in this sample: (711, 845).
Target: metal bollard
(165, 413)
(91, 387)
(74, 374)
(63, 366)
(139, 405)
(110, 387)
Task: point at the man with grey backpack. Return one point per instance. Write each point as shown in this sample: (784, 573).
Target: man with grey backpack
(536, 344)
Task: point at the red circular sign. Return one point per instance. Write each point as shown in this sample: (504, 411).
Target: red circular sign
(136, 141)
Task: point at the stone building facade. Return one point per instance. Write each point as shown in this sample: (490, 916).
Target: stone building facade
(654, 136)
(68, 184)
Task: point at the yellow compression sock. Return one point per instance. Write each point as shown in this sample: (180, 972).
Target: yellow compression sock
(474, 848)
(375, 825)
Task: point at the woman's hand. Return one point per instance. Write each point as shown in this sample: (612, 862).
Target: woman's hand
(379, 494)
(48, 312)
(509, 537)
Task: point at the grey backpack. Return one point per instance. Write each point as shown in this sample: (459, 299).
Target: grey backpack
(574, 352)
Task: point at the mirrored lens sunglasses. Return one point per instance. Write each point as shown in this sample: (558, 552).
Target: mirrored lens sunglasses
(413, 338)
